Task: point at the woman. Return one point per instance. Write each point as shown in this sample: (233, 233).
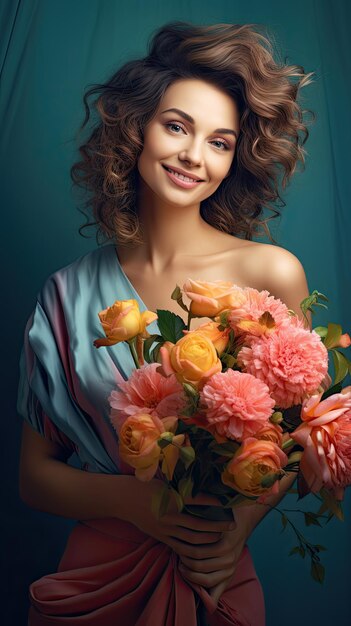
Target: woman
(185, 156)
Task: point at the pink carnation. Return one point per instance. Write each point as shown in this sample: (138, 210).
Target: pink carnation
(325, 435)
(147, 391)
(256, 303)
(292, 361)
(237, 404)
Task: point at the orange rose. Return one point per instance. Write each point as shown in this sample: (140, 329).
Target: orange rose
(138, 436)
(218, 337)
(255, 468)
(123, 321)
(325, 435)
(193, 359)
(210, 298)
(270, 432)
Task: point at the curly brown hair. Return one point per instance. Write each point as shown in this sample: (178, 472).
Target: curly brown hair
(239, 60)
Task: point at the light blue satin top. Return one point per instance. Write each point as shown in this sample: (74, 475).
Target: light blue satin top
(64, 380)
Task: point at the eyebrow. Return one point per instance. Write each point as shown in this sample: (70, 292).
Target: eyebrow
(186, 116)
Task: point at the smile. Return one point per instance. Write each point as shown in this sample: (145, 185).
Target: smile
(186, 179)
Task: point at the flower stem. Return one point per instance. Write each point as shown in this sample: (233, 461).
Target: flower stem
(189, 319)
(131, 344)
(288, 443)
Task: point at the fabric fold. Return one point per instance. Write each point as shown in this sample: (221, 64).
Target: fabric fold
(110, 568)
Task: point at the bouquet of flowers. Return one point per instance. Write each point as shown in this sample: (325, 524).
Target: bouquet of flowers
(230, 407)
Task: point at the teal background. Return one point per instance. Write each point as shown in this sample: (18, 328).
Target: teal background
(50, 51)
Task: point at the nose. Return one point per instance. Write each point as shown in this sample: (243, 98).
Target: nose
(192, 154)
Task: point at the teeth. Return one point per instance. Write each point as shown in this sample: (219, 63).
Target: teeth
(182, 177)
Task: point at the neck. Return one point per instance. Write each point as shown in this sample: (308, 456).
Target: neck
(169, 231)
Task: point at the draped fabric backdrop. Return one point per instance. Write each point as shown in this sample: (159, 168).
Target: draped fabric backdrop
(50, 50)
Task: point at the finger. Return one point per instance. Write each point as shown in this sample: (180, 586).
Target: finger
(203, 498)
(198, 523)
(206, 580)
(192, 537)
(199, 551)
(206, 566)
(216, 591)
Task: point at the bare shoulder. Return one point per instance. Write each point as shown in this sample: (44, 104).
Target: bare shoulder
(279, 271)
(279, 266)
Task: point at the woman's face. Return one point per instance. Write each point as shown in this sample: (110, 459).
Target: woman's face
(194, 132)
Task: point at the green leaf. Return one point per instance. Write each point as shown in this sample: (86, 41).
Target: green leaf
(331, 503)
(317, 571)
(319, 548)
(185, 486)
(333, 335)
(191, 391)
(147, 346)
(322, 331)
(341, 366)
(329, 392)
(178, 499)
(177, 295)
(160, 501)
(155, 352)
(295, 550)
(228, 359)
(308, 303)
(269, 479)
(284, 521)
(165, 440)
(187, 455)
(224, 449)
(311, 519)
(170, 325)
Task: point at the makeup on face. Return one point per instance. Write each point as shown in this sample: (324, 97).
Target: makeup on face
(191, 140)
(181, 179)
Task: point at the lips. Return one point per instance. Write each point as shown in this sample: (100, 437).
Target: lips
(177, 170)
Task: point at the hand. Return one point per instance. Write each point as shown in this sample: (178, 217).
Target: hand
(187, 535)
(215, 563)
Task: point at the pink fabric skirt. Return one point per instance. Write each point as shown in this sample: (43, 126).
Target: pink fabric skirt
(112, 574)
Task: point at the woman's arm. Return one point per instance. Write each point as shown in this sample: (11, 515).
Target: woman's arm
(47, 483)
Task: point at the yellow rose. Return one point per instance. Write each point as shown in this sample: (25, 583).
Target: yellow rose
(218, 337)
(255, 467)
(123, 321)
(210, 298)
(193, 359)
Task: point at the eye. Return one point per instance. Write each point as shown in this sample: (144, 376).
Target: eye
(222, 145)
(175, 126)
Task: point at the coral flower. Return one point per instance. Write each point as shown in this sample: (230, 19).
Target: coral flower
(271, 432)
(237, 404)
(325, 435)
(147, 391)
(245, 318)
(292, 361)
(256, 468)
(138, 447)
